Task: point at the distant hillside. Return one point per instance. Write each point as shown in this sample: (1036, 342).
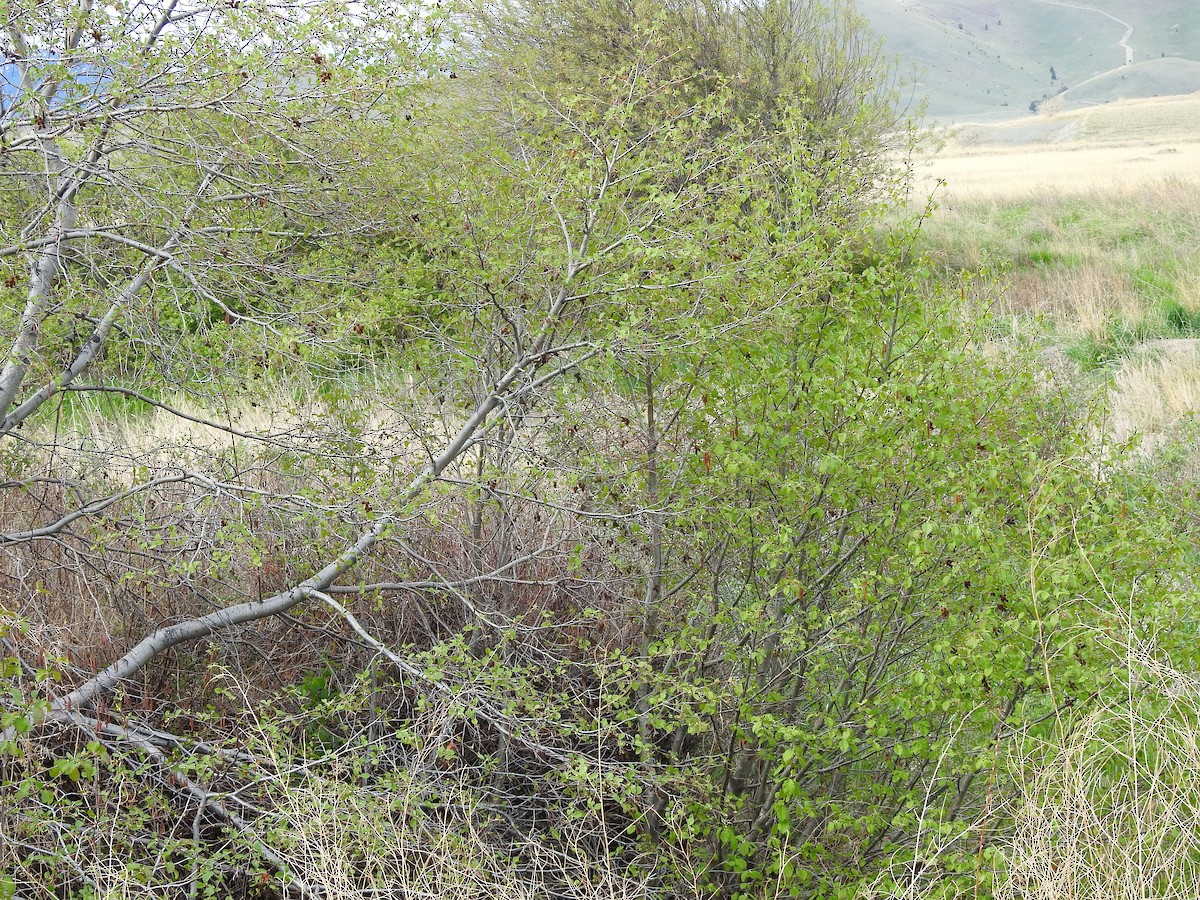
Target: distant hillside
(1155, 78)
(988, 59)
(1169, 123)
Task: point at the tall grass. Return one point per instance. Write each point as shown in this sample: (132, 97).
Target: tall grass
(1153, 391)
(1110, 807)
(1106, 278)
(1101, 802)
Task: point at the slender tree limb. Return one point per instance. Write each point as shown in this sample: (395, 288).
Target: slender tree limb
(258, 437)
(16, 365)
(172, 635)
(57, 527)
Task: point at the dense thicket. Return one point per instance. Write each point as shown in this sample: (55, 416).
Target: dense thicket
(567, 477)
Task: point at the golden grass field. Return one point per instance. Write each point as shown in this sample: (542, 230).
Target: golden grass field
(1116, 147)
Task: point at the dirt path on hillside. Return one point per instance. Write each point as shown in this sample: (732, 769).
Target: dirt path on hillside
(1123, 43)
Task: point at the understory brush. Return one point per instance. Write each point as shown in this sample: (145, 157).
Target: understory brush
(597, 493)
(1109, 800)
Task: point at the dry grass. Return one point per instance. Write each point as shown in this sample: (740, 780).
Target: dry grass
(1110, 810)
(1119, 148)
(1155, 389)
(117, 441)
(1007, 173)
(1086, 301)
(1175, 118)
(346, 843)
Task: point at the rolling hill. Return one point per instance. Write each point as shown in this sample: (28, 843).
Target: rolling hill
(975, 60)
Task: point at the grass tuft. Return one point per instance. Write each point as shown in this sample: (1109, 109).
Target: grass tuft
(1110, 808)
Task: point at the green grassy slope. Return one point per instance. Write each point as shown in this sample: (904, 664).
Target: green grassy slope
(1154, 78)
(980, 59)
(958, 73)
(1161, 27)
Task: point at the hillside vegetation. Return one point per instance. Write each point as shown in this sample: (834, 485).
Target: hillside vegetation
(1093, 234)
(544, 449)
(990, 60)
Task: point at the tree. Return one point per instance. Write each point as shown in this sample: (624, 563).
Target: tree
(191, 184)
(780, 58)
(165, 169)
(630, 499)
